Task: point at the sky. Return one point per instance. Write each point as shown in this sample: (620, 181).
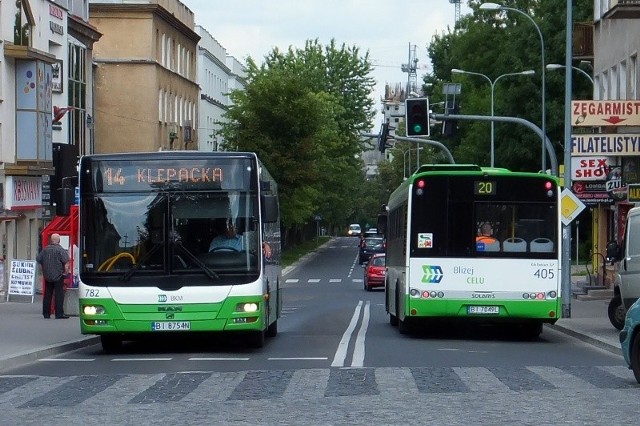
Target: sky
(385, 29)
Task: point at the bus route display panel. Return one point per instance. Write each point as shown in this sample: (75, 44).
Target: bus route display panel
(158, 175)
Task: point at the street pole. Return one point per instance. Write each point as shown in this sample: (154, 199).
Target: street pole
(566, 234)
(495, 6)
(492, 84)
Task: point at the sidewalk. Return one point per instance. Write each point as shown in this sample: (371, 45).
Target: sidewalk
(25, 336)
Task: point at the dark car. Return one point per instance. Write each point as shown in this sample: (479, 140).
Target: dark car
(374, 271)
(369, 246)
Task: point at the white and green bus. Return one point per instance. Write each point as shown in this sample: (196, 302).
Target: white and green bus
(146, 265)
(438, 267)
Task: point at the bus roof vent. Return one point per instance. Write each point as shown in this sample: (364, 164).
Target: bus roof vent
(449, 168)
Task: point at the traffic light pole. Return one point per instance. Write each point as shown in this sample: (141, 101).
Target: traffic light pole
(536, 129)
(428, 142)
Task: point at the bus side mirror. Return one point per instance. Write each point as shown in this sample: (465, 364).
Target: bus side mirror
(613, 252)
(270, 211)
(64, 200)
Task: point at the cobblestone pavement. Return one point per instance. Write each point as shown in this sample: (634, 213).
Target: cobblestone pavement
(427, 395)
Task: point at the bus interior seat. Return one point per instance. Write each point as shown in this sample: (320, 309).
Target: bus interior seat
(541, 245)
(495, 246)
(514, 244)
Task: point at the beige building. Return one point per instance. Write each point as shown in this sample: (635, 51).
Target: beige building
(146, 90)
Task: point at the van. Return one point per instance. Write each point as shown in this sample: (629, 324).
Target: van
(354, 230)
(626, 288)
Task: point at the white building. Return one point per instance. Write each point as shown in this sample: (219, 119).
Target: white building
(218, 74)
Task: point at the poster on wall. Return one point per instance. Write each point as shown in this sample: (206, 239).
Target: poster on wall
(22, 278)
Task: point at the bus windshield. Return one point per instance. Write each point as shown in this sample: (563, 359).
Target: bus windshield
(136, 236)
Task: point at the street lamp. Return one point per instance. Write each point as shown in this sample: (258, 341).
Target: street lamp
(495, 6)
(492, 83)
(558, 66)
(418, 149)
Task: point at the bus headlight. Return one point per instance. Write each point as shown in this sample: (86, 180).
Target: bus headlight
(247, 307)
(93, 310)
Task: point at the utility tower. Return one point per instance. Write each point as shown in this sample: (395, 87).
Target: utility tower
(411, 68)
(456, 3)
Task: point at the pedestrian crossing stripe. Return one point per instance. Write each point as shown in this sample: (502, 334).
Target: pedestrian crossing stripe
(44, 392)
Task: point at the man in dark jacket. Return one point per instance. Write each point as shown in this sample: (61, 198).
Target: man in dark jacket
(54, 261)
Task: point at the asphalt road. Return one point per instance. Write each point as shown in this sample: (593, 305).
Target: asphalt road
(336, 360)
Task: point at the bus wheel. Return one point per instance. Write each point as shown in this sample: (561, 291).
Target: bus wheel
(393, 319)
(403, 326)
(533, 331)
(256, 339)
(616, 312)
(111, 343)
(272, 330)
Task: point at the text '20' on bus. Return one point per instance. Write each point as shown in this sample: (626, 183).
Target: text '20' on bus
(148, 265)
(474, 243)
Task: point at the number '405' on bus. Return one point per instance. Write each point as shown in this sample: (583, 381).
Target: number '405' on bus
(175, 242)
(474, 244)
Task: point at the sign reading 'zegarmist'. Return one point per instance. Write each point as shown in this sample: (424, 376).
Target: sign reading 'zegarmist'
(605, 113)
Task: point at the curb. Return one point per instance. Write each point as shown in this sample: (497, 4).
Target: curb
(303, 259)
(22, 358)
(594, 341)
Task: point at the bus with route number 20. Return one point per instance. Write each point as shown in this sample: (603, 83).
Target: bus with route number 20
(440, 266)
(146, 263)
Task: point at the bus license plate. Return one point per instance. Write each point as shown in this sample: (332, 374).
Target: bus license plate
(491, 310)
(170, 325)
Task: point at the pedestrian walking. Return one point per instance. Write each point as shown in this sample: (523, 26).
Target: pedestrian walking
(54, 261)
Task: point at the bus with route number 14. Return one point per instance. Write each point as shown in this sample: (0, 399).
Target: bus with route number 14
(146, 264)
(439, 266)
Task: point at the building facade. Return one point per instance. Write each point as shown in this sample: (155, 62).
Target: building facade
(45, 98)
(218, 75)
(616, 45)
(147, 95)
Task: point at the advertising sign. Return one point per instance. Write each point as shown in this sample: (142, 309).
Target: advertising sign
(22, 278)
(590, 168)
(605, 113)
(615, 186)
(23, 192)
(633, 193)
(592, 193)
(614, 144)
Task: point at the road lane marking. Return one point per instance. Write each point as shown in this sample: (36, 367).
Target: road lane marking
(335, 280)
(67, 359)
(217, 359)
(303, 358)
(313, 280)
(141, 359)
(292, 280)
(358, 352)
(341, 352)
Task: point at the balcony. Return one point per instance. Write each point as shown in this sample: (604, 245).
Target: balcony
(583, 41)
(623, 9)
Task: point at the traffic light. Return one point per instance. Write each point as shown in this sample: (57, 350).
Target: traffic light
(417, 116)
(449, 126)
(382, 137)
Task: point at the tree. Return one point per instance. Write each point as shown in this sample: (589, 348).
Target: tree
(302, 111)
(495, 43)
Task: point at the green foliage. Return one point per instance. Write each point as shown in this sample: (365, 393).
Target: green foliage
(495, 43)
(302, 112)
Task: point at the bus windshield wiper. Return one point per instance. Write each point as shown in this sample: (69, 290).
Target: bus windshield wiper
(141, 261)
(210, 273)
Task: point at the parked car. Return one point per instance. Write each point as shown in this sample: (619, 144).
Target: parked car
(369, 246)
(374, 271)
(354, 230)
(630, 339)
(626, 288)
